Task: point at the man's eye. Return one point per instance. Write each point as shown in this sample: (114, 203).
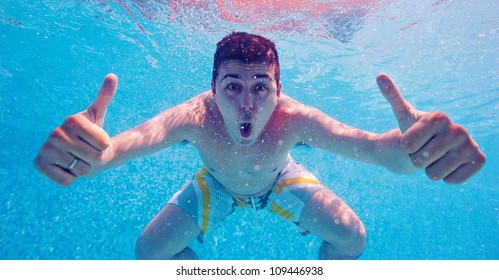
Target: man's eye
(261, 88)
(233, 87)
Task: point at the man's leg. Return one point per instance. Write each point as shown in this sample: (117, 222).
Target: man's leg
(333, 221)
(167, 235)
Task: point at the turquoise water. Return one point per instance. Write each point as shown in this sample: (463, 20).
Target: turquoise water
(442, 54)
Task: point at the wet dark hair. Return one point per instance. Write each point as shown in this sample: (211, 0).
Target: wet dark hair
(248, 48)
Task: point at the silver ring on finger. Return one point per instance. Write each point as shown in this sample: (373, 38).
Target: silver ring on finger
(73, 163)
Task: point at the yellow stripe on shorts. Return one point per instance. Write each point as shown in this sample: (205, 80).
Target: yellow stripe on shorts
(280, 211)
(241, 202)
(293, 181)
(206, 199)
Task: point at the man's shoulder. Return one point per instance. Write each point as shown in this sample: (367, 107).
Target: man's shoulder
(199, 109)
(296, 111)
(200, 98)
(192, 111)
(196, 103)
(289, 105)
(286, 101)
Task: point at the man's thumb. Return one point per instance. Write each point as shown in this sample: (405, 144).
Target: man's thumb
(97, 110)
(402, 109)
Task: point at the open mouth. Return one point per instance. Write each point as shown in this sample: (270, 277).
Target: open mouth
(245, 129)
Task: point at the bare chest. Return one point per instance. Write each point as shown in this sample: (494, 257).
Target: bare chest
(244, 170)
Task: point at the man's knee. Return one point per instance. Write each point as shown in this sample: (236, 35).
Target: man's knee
(145, 249)
(333, 221)
(355, 238)
(167, 235)
(348, 245)
(141, 252)
(151, 248)
(358, 240)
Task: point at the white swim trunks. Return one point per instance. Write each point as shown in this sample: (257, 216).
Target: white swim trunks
(209, 203)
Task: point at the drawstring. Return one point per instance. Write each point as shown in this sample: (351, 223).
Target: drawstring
(254, 212)
(242, 202)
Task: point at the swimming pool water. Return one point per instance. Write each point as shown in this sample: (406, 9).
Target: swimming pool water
(442, 54)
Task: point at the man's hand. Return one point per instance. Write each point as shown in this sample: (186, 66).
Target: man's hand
(432, 140)
(80, 142)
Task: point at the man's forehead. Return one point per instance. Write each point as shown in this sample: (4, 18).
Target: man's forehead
(239, 66)
(246, 71)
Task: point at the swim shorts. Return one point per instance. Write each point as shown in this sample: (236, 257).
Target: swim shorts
(206, 200)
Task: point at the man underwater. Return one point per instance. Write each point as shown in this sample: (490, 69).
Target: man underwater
(244, 129)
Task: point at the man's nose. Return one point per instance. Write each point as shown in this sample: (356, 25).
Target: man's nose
(247, 102)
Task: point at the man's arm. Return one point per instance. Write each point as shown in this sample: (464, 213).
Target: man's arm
(424, 140)
(80, 147)
(323, 132)
(164, 130)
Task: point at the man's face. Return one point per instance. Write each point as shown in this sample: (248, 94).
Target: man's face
(246, 95)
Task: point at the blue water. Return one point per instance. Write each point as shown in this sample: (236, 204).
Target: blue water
(53, 56)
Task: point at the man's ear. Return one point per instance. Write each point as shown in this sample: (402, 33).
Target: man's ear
(213, 87)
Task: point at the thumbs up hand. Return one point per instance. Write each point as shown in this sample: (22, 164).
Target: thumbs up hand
(443, 148)
(80, 143)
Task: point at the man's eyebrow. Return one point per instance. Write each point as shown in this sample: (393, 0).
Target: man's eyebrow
(256, 76)
(235, 76)
(262, 76)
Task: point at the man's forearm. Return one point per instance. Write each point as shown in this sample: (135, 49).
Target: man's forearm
(120, 150)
